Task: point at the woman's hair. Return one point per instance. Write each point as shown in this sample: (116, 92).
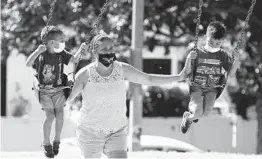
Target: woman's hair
(95, 41)
(216, 30)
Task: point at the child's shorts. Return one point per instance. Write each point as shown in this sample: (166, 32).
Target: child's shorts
(202, 101)
(52, 100)
(93, 143)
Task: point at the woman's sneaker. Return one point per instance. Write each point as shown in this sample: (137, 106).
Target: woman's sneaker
(56, 147)
(185, 124)
(48, 150)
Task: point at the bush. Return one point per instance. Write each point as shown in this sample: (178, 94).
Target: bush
(19, 105)
(163, 102)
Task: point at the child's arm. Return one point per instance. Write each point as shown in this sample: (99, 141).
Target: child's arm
(229, 64)
(187, 68)
(31, 59)
(79, 84)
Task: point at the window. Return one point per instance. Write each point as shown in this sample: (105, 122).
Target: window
(157, 66)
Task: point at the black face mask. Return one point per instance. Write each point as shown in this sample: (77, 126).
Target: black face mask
(106, 59)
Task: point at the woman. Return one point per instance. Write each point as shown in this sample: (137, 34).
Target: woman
(102, 126)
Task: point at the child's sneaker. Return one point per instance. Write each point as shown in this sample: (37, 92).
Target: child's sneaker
(195, 121)
(56, 147)
(185, 125)
(48, 151)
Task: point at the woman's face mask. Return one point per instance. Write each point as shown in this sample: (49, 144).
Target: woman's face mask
(58, 46)
(106, 59)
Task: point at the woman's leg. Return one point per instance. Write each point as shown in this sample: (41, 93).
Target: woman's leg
(89, 142)
(117, 154)
(116, 145)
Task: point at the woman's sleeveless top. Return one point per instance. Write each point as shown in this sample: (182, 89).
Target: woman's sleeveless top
(104, 100)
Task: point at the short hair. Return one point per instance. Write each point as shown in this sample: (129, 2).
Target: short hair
(97, 38)
(49, 32)
(216, 30)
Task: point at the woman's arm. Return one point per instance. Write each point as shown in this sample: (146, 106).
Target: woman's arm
(79, 53)
(134, 75)
(235, 64)
(187, 68)
(80, 81)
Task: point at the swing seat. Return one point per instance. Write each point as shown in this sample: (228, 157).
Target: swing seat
(222, 83)
(220, 87)
(66, 89)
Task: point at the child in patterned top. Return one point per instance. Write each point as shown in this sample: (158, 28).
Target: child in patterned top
(210, 63)
(48, 60)
(102, 126)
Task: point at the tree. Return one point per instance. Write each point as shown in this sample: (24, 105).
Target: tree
(167, 23)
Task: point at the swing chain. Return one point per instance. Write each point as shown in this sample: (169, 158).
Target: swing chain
(52, 7)
(93, 31)
(196, 36)
(96, 23)
(239, 41)
(198, 24)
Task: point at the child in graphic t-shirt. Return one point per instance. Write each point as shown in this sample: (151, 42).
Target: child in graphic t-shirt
(48, 60)
(210, 62)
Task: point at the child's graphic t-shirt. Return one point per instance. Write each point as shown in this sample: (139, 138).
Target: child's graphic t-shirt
(50, 67)
(208, 66)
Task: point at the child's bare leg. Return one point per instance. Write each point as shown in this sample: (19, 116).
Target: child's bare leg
(195, 105)
(196, 110)
(47, 125)
(209, 102)
(59, 102)
(59, 121)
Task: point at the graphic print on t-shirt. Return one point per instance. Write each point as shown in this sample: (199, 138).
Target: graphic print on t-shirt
(48, 74)
(208, 69)
(50, 68)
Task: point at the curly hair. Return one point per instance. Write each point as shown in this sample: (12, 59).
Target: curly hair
(49, 32)
(216, 30)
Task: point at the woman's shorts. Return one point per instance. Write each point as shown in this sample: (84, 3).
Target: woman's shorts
(93, 143)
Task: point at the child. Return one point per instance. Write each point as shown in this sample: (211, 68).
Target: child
(49, 60)
(210, 61)
(102, 126)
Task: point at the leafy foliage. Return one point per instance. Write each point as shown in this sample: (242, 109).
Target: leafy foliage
(166, 23)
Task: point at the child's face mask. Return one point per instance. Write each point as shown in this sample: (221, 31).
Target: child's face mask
(106, 59)
(58, 46)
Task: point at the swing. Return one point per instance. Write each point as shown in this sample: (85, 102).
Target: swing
(67, 89)
(36, 85)
(223, 79)
(94, 31)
